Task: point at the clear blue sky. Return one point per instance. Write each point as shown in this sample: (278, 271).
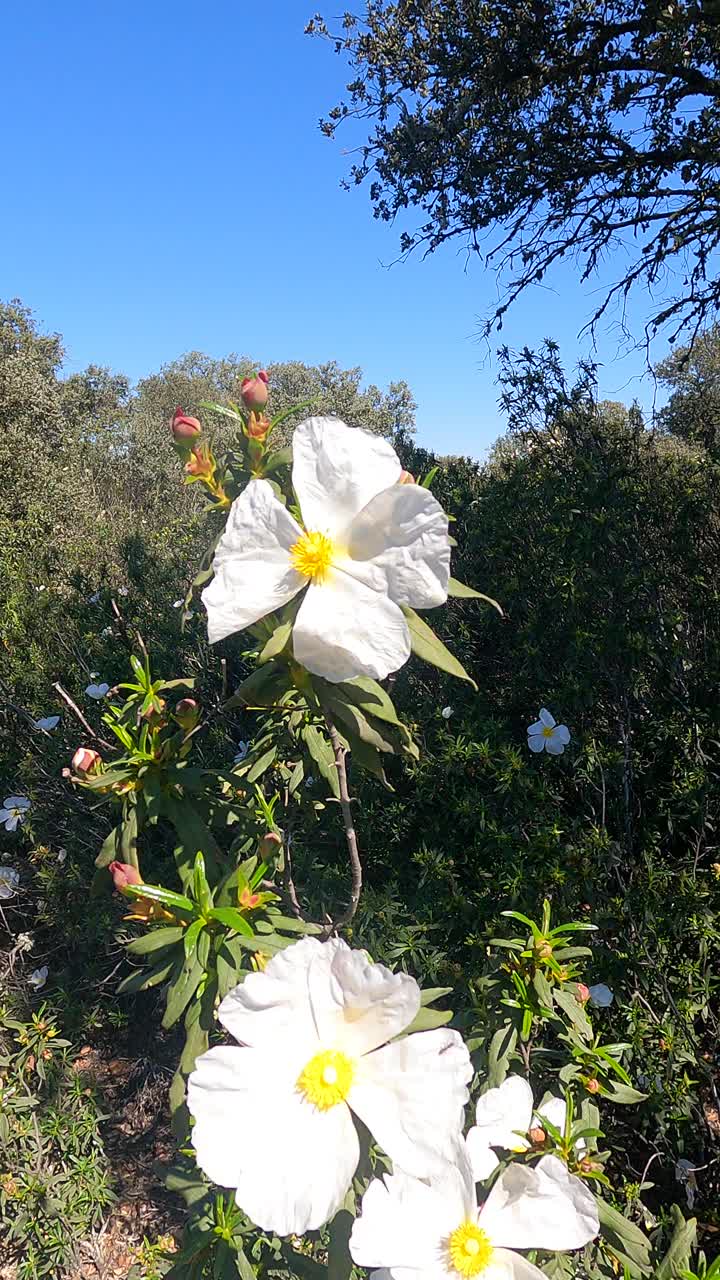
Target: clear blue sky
(167, 188)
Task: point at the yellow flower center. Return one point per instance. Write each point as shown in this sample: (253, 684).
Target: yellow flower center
(469, 1249)
(326, 1079)
(547, 733)
(312, 555)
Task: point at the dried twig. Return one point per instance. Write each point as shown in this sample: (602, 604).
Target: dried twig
(79, 715)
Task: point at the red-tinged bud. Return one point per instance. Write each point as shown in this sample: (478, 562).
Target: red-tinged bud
(123, 874)
(154, 715)
(254, 391)
(406, 477)
(184, 428)
(542, 948)
(270, 846)
(582, 993)
(248, 900)
(201, 463)
(187, 713)
(257, 427)
(86, 761)
(592, 1085)
(537, 1136)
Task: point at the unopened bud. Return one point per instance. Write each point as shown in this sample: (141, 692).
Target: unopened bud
(592, 1085)
(184, 428)
(123, 874)
(187, 713)
(254, 391)
(153, 715)
(582, 993)
(537, 1136)
(86, 761)
(406, 477)
(542, 948)
(269, 846)
(258, 426)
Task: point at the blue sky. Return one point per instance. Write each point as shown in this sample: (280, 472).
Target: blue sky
(167, 189)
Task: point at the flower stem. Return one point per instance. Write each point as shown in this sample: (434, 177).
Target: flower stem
(350, 833)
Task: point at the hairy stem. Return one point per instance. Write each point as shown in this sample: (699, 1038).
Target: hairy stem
(350, 833)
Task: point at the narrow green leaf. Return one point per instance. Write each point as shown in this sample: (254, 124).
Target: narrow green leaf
(426, 645)
(461, 592)
(156, 940)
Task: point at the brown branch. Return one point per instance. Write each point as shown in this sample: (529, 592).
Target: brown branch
(79, 715)
(350, 833)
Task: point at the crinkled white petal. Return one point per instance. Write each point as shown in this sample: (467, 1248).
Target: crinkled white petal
(552, 1109)
(411, 1096)
(253, 571)
(539, 1207)
(9, 881)
(536, 742)
(345, 629)
(547, 720)
(272, 1008)
(562, 732)
(291, 1164)
(337, 470)
(554, 746)
(403, 534)
(11, 820)
(357, 1005)
(404, 1223)
(502, 1118)
(506, 1265)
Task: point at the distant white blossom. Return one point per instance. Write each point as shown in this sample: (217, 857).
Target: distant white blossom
(547, 735)
(62, 856)
(122, 591)
(242, 750)
(24, 942)
(601, 996)
(9, 882)
(107, 631)
(14, 811)
(446, 713)
(94, 599)
(38, 978)
(47, 722)
(178, 604)
(98, 691)
(507, 1118)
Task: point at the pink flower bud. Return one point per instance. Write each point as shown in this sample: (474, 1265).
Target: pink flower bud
(269, 846)
(187, 713)
(537, 1135)
(184, 428)
(124, 874)
(87, 761)
(254, 391)
(406, 477)
(582, 993)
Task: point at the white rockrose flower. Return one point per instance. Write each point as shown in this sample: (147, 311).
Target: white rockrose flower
(547, 735)
(38, 978)
(506, 1117)
(274, 1114)
(412, 1230)
(9, 882)
(98, 691)
(446, 713)
(48, 723)
(366, 546)
(601, 995)
(14, 812)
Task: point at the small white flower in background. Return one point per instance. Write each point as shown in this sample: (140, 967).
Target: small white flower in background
(317, 1033)
(62, 856)
(601, 996)
(24, 942)
(367, 546)
(547, 735)
(178, 604)
(98, 691)
(94, 599)
(417, 1231)
(242, 750)
(38, 978)
(9, 882)
(309, 781)
(685, 1173)
(107, 631)
(122, 591)
(14, 811)
(446, 713)
(506, 1118)
(42, 587)
(48, 723)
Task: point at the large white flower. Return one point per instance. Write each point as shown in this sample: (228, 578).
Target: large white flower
(413, 1230)
(547, 735)
(14, 811)
(505, 1118)
(9, 882)
(367, 545)
(274, 1119)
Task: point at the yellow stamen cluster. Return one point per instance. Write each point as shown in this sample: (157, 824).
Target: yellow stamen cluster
(312, 555)
(326, 1079)
(469, 1249)
(547, 733)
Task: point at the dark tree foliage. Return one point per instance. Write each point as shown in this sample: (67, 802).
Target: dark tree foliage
(544, 129)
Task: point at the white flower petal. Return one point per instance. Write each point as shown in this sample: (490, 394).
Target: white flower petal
(16, 802)
(403, 1221)
(38, 978)
(9, 882)
(345, 629)
(97, 691)
(403, 534)
(554, 746)
(552, 1109)
(543, 1207)
(411, 1096)
(272, 1008)
(290, 1163)
(547, 720)
(502, 1117)
(253, 571)
(507, 1265)
(562, 733)
(481, 1156)
(536, 743)
(47, 722)
(537, 727)
(337, 470)
(601, 995)
(12, 821)
(358, 1005)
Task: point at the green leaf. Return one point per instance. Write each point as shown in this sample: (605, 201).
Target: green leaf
(191, 936)
(573, 1010)
(232, 919)
(223, 410)
(371, 698)
(339, 1261)
(428, 1020)
(624, 1238)
(426, 645)
(322, 754)
(166, 897)
(201, 888)
(624, 1094)
(543, 989)
(461, 592)
(182, 990)
(277, 642)
(144, 979)
(193, 835)
(279, 458)
(263, 688)
(260, 765)
(501, 1048)
(156, 940)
